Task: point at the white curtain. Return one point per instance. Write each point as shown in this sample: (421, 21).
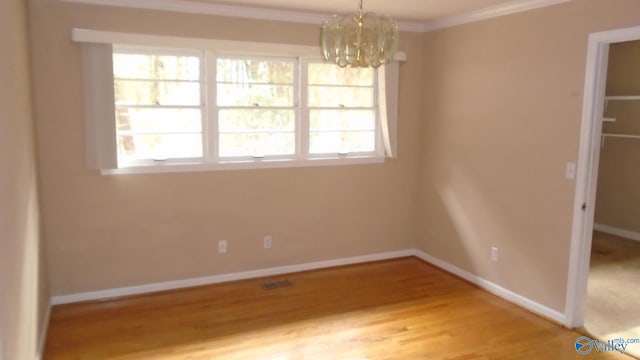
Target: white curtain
(389, 78)
(99, 108)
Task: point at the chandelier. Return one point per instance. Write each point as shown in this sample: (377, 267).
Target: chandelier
(359, 40)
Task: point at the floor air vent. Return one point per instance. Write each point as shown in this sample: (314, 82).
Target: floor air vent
(276, 284)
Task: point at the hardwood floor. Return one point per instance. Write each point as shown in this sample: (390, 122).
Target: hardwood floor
(397, 309)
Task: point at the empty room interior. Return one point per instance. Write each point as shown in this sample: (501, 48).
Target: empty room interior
(244, 179)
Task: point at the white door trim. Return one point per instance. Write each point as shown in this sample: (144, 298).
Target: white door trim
(587, 176)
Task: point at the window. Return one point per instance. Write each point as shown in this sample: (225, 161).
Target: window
(159, 106)
(256, 107)
(342, 110)
(200, 109)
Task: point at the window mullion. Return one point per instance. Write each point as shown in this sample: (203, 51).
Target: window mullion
(212, 109)
(379, 150)
(302, 133)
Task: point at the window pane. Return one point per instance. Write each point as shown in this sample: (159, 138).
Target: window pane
(251, 120)
(258, 144)
(330, 74)
(159, 67)
(332, 96)
(335, 142)
(128, 92)
(245, 71)
(159, 146)
(254, 95)
(342, 120)
(158, 120)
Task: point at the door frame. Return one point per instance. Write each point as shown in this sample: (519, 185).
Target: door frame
(587, 169)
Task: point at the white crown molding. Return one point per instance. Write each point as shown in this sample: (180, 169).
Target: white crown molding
(249, 12)
(246, 12)
(490, 12)
(210, 9)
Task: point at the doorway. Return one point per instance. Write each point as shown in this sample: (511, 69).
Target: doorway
(614, 274)
(588, 166)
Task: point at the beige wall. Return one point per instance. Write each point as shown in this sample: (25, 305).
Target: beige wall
(23, 285)
(618, 197)
(502, 117)
(489, 116)
(112, 231)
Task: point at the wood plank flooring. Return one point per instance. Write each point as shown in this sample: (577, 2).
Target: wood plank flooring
(397, 309)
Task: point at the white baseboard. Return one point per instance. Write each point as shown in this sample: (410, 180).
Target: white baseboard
(494, 288)
(627, 234)
(44, 327)
(215, 279)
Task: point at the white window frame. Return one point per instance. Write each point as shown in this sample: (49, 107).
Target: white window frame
(215, 108)
(98, 133)
(379, 145)
(201, 55)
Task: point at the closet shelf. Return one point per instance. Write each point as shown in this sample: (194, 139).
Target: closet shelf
(623, 136)
(623, 97)
(619, 97)
(626, 136)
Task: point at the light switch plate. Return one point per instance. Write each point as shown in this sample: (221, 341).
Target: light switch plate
(571, 171)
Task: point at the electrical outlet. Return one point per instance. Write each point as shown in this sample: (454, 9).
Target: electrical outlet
(222, 247)
(494, 253)
(267, 242)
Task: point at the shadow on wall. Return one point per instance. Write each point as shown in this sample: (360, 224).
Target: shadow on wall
(471, 220)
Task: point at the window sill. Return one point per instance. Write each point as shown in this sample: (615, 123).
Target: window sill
(242, 165)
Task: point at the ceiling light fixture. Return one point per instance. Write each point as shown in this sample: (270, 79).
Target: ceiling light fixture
(359, 40)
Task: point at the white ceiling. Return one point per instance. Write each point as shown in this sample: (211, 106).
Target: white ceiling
(408, 10)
